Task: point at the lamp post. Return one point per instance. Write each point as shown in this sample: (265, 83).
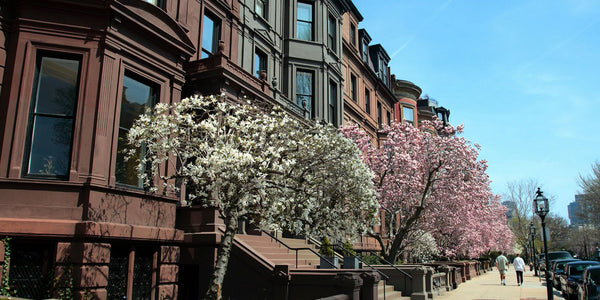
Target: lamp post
(542, 209)
(532, 235)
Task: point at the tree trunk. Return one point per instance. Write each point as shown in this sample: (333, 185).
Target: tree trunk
(216, 280)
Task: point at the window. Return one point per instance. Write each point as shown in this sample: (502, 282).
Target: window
(140, 277)
(389, 117)
(365, 52)
(260, 62)
(352, 34)
(211, 33)
(158, 3)
(52, 116)
(136, 97)
(332, 103)
(407, 113)
(379, 116)
(261, 8)
(331, 33)
(353, 87)
(368, 101)
(304, 90)
(304, 22)
(32, 269)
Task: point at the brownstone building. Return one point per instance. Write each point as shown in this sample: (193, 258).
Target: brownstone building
(75, 74)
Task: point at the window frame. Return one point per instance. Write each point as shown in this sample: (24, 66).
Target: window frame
(388, 115)
(379, 114)
(404, 114)
(261, 58)
(332, 102)
(310, 22)
(365, 51)
(264, 6)
(32, 115)
(156, 93)
(215, 35)
(353, 87)
(332, 33)
(368, 101)
(158, 3)
(310, 103)
(352, 34)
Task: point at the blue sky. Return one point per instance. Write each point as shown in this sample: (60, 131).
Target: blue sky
(522, 76)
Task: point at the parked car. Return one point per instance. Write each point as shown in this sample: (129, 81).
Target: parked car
(558, 268)
(552, 256)
(589, 287)
(570, 279)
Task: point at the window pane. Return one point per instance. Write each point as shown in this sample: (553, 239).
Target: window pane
(367, 101)
(57, 86)
(304, 21)
(136, 97)
(332, 103)
(142, 275)
(261, 7)
(208, 38)
(305, 12)
(408, 114)
(304, 89)
(50, 146)
(51, 132)
(304, 83)
(260, 63)
(304, 31)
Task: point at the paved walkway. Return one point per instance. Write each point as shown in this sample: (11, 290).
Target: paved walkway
(488, 287)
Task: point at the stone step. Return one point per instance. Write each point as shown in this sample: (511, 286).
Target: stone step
(279, 254)
(390, 293)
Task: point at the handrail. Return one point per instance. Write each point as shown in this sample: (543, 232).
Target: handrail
(296, 249)
(390, 264)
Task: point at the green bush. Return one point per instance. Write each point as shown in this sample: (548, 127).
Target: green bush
(370, 259)
(326, 247)
(349, 250)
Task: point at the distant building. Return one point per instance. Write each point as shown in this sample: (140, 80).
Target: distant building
(576, 212)
(511, 207)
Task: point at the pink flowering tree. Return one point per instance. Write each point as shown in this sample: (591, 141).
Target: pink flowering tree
(258, 163)
(430, 179)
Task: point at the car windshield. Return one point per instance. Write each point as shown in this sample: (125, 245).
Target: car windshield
(578, 269)
(559, 255)
(560, 266)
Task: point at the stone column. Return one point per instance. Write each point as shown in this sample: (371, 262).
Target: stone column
(429, 282)
(85, 265)
(349, 284)
(168, 272)
(281, 282)
(370, 283)
(418, 284)
(446, 269)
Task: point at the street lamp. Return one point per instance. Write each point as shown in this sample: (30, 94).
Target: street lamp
(532, 235)
(541, 209)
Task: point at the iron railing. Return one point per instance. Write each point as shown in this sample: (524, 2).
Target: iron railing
(298, 249)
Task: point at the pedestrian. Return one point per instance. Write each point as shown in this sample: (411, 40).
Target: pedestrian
(502, 265)
(519, 265)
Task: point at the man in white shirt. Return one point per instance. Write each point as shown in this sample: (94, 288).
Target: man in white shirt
(519, 265)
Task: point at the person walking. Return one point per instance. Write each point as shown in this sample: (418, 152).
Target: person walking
(502, 265)
(519, 265)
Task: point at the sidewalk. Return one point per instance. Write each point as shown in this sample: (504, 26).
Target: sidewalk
(488, 287)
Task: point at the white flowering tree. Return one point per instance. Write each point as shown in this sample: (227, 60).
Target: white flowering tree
(423, 248)
(258, 163)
